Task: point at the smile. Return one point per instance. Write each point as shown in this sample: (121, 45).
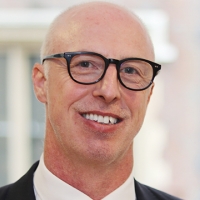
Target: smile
(101, 119)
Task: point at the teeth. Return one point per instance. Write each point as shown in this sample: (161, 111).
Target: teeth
(95, 117)
(100, 118)
(106, 120)
(113, 120)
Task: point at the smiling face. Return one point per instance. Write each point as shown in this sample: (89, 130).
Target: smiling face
(93, 123)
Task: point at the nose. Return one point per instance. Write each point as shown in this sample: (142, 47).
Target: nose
(108, 88)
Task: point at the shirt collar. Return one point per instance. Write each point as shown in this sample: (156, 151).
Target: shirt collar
(48, 186)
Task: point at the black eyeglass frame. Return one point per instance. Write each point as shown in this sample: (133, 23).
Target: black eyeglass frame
(69, 55)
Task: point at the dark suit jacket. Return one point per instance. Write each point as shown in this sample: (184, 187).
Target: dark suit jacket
(23, 190)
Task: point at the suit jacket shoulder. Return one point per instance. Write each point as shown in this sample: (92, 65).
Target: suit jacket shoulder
(144, 192)
(21, 189)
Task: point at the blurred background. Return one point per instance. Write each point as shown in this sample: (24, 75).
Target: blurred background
(167, 149)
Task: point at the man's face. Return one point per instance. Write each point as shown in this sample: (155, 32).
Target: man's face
(68, 103)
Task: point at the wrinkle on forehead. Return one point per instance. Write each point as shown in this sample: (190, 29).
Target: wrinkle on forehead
(95, 15)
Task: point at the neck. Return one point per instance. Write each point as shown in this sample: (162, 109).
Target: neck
(96, 180)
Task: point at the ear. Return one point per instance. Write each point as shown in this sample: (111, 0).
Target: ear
(150, 92)
(39, 82)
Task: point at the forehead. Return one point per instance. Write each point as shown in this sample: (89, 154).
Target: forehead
(102, 28)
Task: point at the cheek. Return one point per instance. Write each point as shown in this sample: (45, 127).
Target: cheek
(63, 95)
(64, 92)
(138, 101)
(138, 106)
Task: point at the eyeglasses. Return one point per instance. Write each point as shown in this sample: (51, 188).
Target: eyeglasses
(89, 68)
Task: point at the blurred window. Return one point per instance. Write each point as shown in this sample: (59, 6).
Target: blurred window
(3, 123)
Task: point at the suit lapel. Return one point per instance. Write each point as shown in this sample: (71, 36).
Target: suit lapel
(23, 188)
(142, 193)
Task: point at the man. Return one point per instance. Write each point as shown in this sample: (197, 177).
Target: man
(96, 80)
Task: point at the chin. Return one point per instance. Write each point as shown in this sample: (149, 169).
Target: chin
(104, 155)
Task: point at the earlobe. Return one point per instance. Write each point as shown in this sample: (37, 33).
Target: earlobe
(39, 82)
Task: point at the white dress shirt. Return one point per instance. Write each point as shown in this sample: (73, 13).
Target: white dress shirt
(49, 187)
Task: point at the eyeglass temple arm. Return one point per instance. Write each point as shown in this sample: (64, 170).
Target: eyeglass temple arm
(59, 55)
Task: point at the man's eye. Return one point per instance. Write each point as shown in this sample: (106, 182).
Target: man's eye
(85, 64)
(129, 70)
